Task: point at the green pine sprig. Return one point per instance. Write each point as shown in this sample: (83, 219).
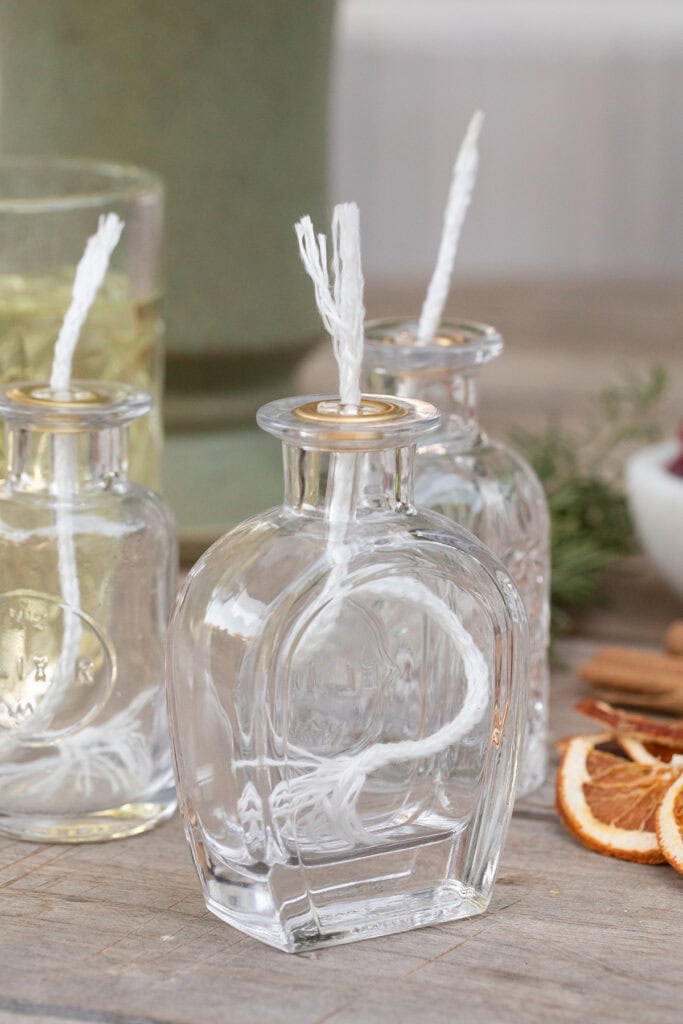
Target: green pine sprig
(582, 474)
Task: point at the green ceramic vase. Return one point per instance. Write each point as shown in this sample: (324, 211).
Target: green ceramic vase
(227, 101)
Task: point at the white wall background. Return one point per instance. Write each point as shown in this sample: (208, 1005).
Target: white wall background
(582, 155)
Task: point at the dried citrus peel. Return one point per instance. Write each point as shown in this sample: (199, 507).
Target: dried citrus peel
(609, 803)
(658, 730)
(647, 752)
(669, 824)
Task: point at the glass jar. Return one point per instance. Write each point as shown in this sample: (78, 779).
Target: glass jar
(347, 685)
(48, 209)
(210, 94)
(87, 572)
(478, 482)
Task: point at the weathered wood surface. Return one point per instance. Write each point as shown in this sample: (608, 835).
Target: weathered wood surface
(118, 933)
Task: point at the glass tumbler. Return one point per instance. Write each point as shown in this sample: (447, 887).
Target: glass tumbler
(48, 209)
(87, 574)
(476, 481)
(346, 690)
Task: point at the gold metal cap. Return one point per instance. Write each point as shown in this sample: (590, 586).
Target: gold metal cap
(84, 404)
(46, 397)
(406, 338)
(370, 410)
(323, 422)
(392, 346)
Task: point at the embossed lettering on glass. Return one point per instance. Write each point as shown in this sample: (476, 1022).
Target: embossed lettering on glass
(476, 481)
(346, 690)
(87, 573)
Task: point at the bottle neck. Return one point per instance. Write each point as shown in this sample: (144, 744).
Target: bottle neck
(340, 485)
(64, 464)
(454, 393)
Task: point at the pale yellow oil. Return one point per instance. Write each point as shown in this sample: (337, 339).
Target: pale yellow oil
(121, 341)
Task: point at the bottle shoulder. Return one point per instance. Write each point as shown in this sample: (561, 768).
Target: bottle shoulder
(129, 507)
(136, 500)
(485, 474)
(486, 454)
(276, 557)
(310, 538)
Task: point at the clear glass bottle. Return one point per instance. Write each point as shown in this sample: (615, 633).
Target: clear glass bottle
(476, 481)
(88, 570)
(347, 686)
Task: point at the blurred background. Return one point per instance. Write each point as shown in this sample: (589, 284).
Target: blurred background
(255, 112)
(573, 244)
(582, 156)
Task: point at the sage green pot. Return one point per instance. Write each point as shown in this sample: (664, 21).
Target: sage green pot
(227, 100)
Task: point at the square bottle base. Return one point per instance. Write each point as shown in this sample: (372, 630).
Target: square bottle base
(297, 906)
(355, 921)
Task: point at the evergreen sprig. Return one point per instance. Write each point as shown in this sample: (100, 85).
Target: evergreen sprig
(582, 473)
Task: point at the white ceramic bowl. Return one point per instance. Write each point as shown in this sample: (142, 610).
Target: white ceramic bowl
(655, 498)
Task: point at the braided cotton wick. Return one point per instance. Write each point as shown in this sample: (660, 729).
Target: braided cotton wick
(325, 796)
(90, 274)
(340, 303)
(462, 187)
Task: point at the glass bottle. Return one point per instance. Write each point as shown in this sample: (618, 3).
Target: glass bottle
(476, 481)
(48, 207)
(346, 691)
(87, 572)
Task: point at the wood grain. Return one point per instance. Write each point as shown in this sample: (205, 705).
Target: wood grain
(118, 933)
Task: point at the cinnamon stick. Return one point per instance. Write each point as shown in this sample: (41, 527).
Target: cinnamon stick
(667, 703)
(637, 677)
(636, 657)
(634, 669)
(673, 638)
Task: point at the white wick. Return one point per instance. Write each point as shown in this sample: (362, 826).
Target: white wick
(316, 795)
(324, 796)
(341, 303)
(462, 187)
(90, 274)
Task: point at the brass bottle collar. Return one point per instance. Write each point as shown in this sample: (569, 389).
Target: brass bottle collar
(404, 339)
(322, 421)
(46, 397)
(84, 404)
(370, 410)
(392, 345)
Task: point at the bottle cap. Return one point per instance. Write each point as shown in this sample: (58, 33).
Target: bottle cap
(325, 422)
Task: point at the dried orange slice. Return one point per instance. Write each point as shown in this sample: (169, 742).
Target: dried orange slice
(669, 824)
(609, 803)
(647, 752)
(667, 732)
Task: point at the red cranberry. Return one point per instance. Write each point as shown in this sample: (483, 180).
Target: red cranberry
(676, 464)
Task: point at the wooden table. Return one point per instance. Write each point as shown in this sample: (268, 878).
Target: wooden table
(118, 933)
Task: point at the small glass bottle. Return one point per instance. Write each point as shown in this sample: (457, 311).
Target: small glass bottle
(88, 569)
(478, 482)
(346, 692)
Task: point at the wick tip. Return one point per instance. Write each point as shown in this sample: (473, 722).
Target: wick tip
(110, 227)
(476, 124)
(303, 224)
